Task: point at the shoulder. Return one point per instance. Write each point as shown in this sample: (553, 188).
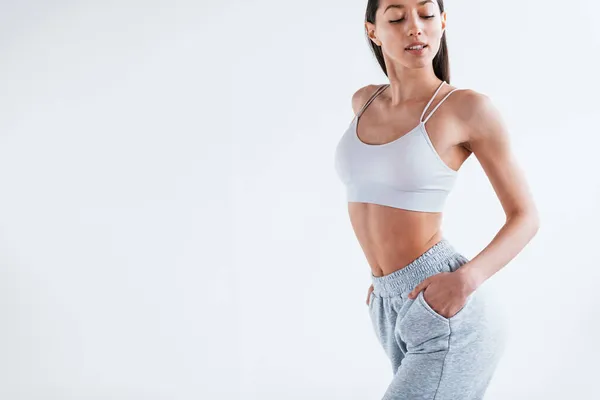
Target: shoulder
(473, 107)
(360, 97)
(477, 112)
(480, 117)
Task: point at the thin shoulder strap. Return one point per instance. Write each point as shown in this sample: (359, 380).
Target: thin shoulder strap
(430, 100)
(438, 104)
(379, 90)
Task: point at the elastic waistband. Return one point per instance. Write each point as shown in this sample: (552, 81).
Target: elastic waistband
(432, 261)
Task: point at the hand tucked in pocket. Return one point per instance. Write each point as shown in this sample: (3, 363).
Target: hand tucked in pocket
(447, 292)
(369, 293)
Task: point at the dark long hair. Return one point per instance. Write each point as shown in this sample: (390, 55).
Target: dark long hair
(441, 65)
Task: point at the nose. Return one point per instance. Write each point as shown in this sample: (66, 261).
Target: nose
(414, 27)
(415, 31)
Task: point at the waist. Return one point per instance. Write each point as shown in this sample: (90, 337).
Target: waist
(391, 238)
(441, 257)
(389, 259)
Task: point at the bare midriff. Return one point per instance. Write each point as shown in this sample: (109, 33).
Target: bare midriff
(391, 238)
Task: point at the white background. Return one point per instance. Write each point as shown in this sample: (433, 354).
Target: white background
(171, 225)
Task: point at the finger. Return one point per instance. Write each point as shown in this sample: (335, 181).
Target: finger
(418, 288)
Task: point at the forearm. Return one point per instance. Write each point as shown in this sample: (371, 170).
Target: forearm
(508, 242)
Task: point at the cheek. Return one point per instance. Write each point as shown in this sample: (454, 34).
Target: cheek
(394, 37)
(434, 38)
(389, 34)
(436, 33)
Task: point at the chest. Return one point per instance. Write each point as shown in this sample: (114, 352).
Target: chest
(443, 132)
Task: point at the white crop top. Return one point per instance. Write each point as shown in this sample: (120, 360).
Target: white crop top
(405, 173)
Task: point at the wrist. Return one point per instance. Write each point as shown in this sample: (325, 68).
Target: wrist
(471, 278)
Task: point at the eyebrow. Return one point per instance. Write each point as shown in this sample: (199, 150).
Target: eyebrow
(402, 5)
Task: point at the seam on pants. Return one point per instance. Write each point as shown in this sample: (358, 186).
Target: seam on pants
(449, 263)
(443, 362)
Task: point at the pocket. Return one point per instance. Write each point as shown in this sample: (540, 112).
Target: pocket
(422, 329)
(376, 316)
(423, 302)
(371, 298)
(457, 262)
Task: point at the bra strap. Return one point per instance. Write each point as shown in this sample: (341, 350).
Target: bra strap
(440, 103)
(379, 90)
(430, 100)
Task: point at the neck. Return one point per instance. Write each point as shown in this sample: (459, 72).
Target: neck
(411, 85)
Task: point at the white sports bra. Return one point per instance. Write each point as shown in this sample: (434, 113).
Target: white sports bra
(405, 173)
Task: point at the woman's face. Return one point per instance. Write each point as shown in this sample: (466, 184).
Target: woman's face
(400, 23)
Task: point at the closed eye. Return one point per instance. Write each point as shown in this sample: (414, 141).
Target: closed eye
(402, 19)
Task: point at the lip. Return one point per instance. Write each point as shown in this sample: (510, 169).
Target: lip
(418, 52)
(415, 44)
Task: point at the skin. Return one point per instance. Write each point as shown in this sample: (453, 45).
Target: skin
(466, 123)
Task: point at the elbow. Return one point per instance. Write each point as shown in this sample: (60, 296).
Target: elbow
(529, 219)
(535, 226)
(534, 218)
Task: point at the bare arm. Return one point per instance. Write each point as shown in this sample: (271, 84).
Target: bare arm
(489, 140)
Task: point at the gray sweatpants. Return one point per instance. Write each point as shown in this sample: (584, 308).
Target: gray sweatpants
(434, 357)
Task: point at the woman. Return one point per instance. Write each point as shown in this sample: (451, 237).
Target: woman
(399, 160)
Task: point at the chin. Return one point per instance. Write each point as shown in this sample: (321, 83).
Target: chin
(419, 63)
